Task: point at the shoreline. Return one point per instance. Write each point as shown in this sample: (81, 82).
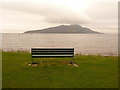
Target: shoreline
(81, 53)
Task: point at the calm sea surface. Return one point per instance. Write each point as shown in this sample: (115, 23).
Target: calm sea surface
(94, 44)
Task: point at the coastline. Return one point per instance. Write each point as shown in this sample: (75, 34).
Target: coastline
(81, 54)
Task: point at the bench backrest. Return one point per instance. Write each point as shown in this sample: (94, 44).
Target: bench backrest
(52, 52)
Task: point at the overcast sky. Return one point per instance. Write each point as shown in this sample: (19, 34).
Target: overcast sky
(23, 15)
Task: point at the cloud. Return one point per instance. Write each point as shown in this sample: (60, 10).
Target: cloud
(99, 15)
(67, 17)
(52, 13)
(104, 15)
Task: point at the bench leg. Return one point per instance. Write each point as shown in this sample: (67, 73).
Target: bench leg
(72, 61)
(32, 60)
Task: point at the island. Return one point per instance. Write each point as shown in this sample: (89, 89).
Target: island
(75, 28)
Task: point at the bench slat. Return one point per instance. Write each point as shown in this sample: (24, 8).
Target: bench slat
(52, 56)
(42, 53)
(52, 48)
(51, 51)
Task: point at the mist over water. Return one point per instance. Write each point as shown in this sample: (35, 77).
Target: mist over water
(93, 44)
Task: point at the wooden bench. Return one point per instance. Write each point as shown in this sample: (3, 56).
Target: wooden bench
(52, 53)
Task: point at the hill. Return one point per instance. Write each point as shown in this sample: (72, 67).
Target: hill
(64, 29)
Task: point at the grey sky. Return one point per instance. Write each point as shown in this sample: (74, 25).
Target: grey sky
(23, 16)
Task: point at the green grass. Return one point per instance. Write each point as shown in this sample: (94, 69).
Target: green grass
(92, 72)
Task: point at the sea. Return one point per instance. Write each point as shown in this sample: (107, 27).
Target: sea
(85, 44)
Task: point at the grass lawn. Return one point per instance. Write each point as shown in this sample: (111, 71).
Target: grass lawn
(92, 72)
